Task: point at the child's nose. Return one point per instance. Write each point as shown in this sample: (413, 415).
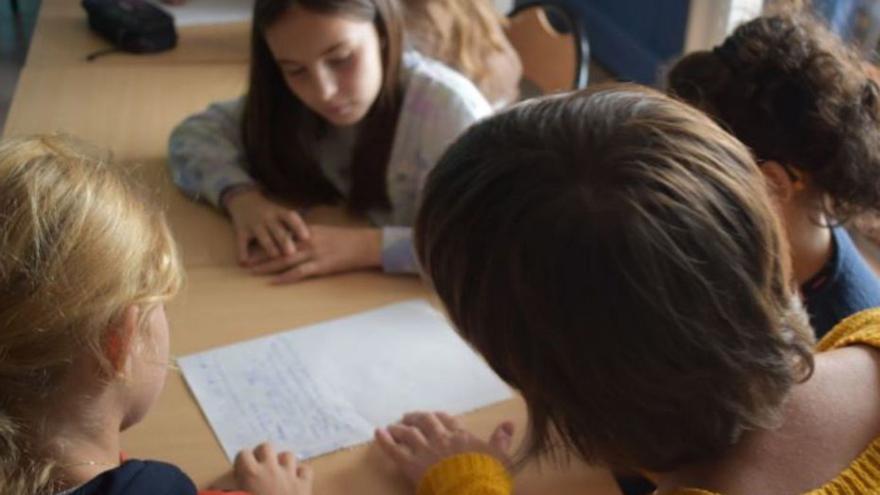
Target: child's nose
(325, 84)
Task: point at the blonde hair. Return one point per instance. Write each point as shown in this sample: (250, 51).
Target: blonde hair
(474, 35)
(79, 243)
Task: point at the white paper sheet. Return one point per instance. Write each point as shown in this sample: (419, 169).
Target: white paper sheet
(326, 387)
(199, 12)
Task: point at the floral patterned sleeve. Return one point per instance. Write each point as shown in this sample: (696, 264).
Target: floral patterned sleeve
(206, 154)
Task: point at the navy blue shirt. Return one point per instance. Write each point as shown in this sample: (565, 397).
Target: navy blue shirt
(845, 286)
(135, 477)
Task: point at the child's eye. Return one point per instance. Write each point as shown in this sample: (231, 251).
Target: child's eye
(341, 60)
(295, 72)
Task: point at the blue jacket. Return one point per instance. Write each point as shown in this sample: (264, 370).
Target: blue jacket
(136, 477)
(845, 286)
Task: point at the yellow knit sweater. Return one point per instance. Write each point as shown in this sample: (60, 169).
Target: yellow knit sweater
(478, 474)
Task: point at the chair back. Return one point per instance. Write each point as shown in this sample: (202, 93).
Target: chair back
(553, 59)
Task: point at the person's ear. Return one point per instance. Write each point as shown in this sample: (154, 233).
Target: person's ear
(784, 181)
(118, 338)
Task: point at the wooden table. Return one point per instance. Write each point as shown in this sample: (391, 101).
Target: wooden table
(62, 36)
(131, 108)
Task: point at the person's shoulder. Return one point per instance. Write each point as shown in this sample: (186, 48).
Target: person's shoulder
(233, 107)
(861, 328)
(430, 81)
(137, 477)
(418, 67)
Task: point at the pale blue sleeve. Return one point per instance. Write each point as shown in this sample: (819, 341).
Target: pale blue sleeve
(206, 154)
(398, 254)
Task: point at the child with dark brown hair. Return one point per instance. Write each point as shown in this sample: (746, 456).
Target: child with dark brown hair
(617, 258)
(803, 103)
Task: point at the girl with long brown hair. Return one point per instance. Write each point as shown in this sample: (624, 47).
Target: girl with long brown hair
(335, 112)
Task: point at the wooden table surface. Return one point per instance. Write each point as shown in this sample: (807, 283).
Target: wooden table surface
(131, 109)
(62, 36)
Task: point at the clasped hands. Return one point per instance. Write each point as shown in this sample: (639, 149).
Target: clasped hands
(274, 240)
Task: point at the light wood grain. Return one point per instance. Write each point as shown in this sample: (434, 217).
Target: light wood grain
(131, 111)
(62, 36)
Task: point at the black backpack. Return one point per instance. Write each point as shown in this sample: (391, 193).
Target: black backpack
(135, 26)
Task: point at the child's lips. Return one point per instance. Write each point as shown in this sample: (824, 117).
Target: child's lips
(339, 109)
